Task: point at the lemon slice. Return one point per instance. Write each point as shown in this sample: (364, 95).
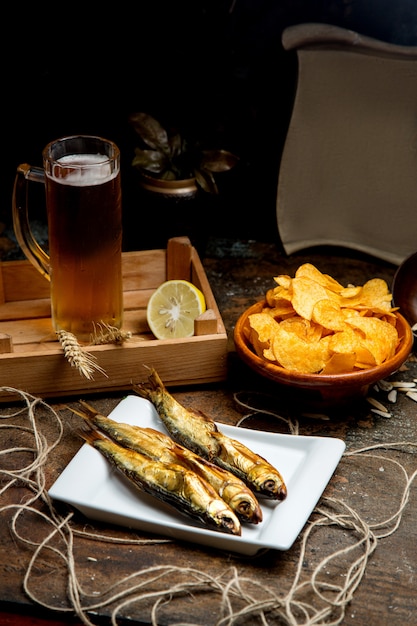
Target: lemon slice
(172, 309)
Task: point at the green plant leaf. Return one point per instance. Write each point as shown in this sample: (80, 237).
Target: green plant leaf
(176, 145)
(172, 157)
(206, 181)
(169, 175)
(150, 131)
(218, 160)
(150, 160)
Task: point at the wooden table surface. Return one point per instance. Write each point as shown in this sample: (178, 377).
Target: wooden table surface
(370, 486)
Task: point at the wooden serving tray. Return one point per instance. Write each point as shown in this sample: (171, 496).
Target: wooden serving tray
(31, 357)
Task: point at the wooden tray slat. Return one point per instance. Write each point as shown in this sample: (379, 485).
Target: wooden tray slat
(36, 363)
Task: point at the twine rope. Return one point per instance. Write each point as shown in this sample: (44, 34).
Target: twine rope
(308, 602)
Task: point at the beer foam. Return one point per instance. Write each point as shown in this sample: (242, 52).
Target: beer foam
(83, 170)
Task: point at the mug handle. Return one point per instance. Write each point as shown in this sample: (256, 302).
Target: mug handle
(33, 251)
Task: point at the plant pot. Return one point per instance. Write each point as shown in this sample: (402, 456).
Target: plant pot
(175, 190)
(164, 209)
(174, 208)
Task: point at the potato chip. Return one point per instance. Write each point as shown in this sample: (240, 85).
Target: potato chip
(283, 280)
(279, 294)
(303, 328)
(307, 270)
(263, 329)
(348, 312)
(380, 337)
(296, 354)
(375, 294)
(348, 342)
(269, 297)
(306, 292)
(339, 364)
(264, 325)
(328, 314)
(350, 292)
(312, 324)
(255, 343)
(281, 311)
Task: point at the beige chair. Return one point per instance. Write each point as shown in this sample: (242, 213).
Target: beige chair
(348, 173)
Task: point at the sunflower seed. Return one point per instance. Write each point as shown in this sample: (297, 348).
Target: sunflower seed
(392, 396)
(384, 385)
(377, 405)
(412, 395)
(381, 413)
(403, 384)
(318, 416)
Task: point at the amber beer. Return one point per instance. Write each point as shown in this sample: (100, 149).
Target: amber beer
(83, 199)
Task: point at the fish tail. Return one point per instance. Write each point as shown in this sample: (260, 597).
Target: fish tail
(89, 412)
(147, 388)
(155, 380)
(91, 436)
(88, 408)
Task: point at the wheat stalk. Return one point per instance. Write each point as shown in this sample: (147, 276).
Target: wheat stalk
(83, 361)
(104, 333)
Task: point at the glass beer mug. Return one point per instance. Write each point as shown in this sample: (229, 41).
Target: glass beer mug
(81, 175)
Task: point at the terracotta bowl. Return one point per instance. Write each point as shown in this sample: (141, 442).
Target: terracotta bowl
(404, 289)
(321, 390)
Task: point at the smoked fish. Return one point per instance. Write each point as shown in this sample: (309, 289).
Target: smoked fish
(170, 483)
(162, 447)
(200, 434)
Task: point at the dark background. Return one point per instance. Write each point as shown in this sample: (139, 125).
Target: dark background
(215, 69)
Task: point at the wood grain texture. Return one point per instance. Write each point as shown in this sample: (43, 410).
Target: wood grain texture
(36, 363)
(371, 486)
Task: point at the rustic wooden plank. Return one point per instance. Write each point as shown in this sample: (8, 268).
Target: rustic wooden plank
(6, 344)
(178, 259)
(144, 269)
(37, 363)
(133, 300)
(22, 281)
(199, 278)
(25, 309)
(206, 323)
(25, 331)
(197, 360)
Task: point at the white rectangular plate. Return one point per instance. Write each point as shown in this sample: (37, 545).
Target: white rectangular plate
(92, 486)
